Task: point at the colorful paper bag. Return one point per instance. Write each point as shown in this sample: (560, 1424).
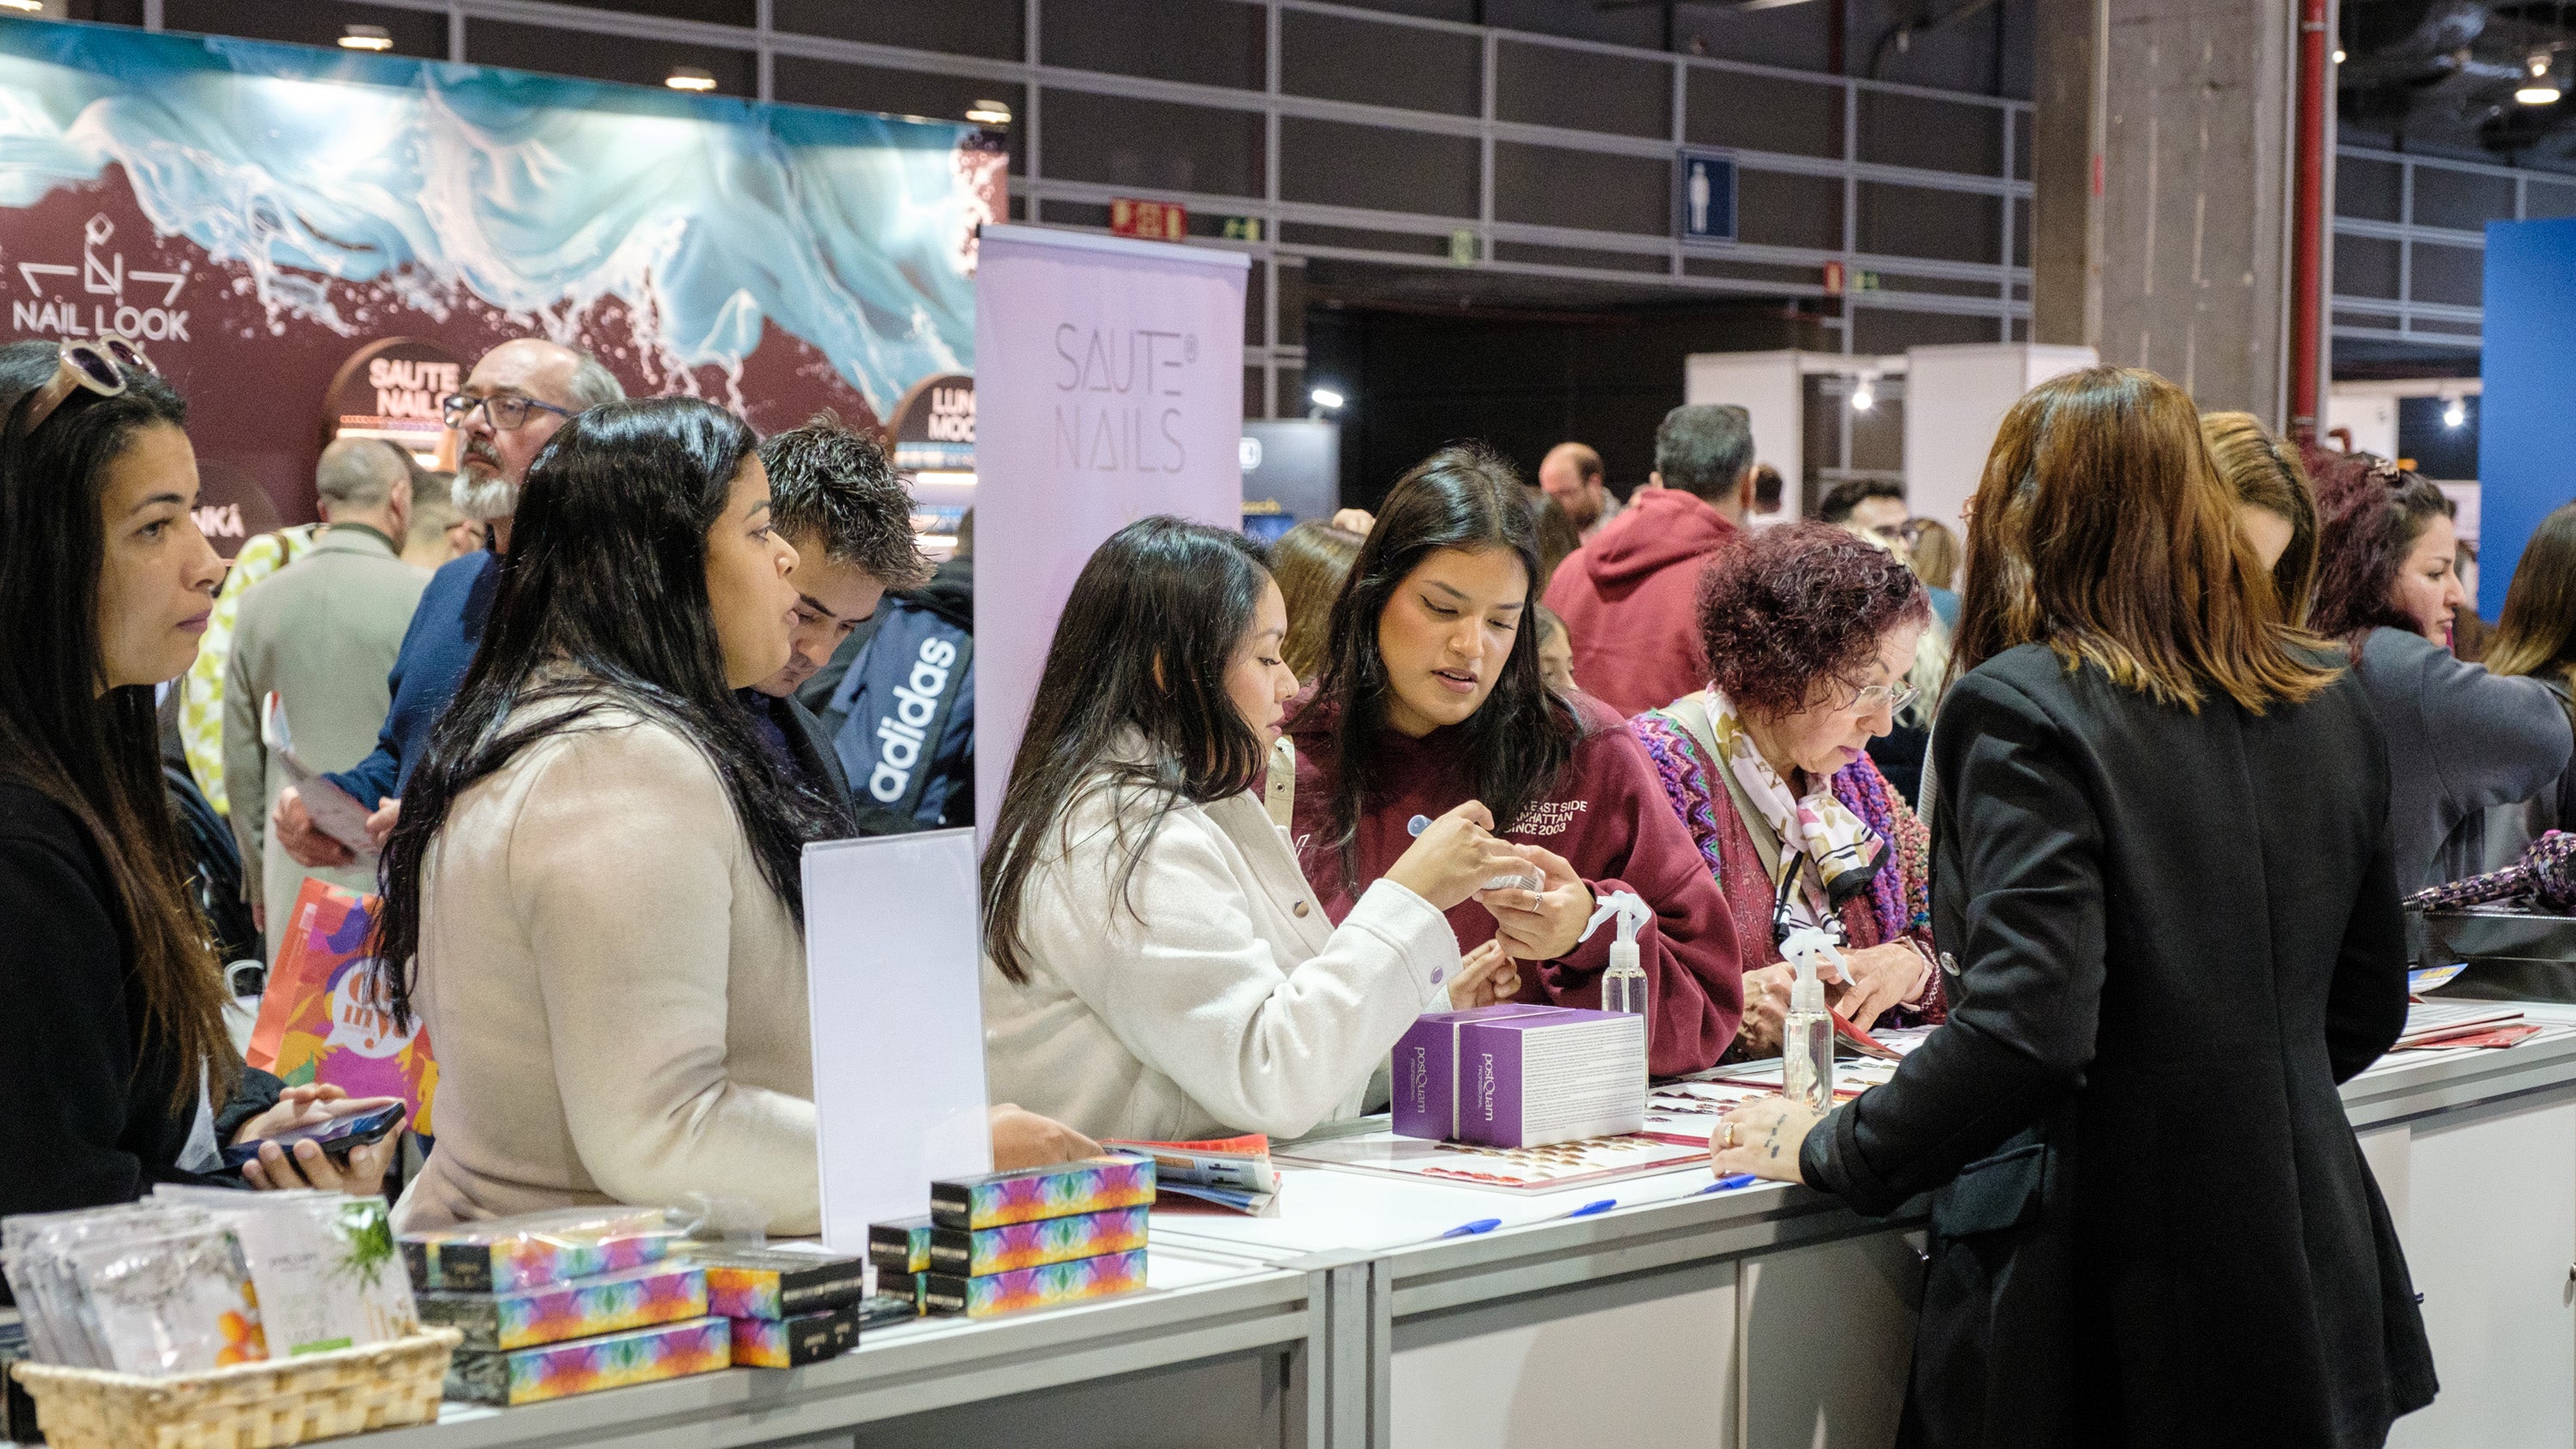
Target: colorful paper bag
(326, 1017)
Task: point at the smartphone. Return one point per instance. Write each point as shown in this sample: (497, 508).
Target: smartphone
(335, 1135)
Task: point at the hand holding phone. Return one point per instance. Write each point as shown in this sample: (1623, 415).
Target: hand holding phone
(334, 1137)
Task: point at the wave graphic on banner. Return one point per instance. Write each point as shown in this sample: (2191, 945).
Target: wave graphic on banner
(335, 183)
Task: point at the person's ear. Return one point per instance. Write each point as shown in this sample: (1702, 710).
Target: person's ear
(1744, 490)
(1654, 480)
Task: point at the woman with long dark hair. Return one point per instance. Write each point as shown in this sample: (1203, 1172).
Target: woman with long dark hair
(116, 1071)
(1433, 696)
(2535, 638)
(2161, 873)
(592, 897)
(1155, 966)
(2460, 738)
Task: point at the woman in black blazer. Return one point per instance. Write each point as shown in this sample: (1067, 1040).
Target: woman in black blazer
(2175, 935)
(116, 1070)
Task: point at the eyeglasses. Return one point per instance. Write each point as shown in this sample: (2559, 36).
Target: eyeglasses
(1893, 696)
(504, 411)
(99, 367)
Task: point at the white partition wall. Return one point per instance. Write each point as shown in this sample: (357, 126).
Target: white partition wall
(1766, 385)
(1955, 399)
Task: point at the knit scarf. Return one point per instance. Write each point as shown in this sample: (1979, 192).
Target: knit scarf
(1828, 854)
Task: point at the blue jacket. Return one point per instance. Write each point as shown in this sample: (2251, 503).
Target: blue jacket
(436, 651)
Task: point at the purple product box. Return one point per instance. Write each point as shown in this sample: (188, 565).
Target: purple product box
(1552, 1075)
(1426, 1069)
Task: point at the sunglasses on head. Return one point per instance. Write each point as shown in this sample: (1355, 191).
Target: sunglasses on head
(100, 367)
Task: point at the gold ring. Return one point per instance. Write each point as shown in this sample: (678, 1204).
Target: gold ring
(1728, 1139)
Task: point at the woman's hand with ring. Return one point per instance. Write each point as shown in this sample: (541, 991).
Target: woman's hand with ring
(1763, 1137)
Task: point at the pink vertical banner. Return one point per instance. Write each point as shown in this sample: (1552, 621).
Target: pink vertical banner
(1108, 387)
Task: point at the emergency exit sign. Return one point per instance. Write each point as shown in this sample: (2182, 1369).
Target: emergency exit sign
(1149, 220)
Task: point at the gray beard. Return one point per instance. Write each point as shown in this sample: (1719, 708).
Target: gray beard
(484, 497)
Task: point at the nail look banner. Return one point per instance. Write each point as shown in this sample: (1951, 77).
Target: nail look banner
(1108, 387)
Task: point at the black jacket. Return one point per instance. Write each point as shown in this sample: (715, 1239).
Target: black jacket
(86, 1113)
(2177, 933)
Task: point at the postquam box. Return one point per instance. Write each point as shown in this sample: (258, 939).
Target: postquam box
(1551, 1076)
(1426, 1068)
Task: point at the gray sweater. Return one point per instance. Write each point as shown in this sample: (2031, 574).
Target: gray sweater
(2459, 740)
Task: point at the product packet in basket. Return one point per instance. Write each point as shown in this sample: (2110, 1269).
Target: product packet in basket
(325, 1017)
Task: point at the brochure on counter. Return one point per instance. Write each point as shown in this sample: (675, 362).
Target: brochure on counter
(1561, 1165)
(1233, 1173)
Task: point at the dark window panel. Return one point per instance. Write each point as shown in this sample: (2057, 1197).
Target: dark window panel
(2023, 255)
(1463, 11)
(2466, 200)
(1292, 393)
(1208, 42)
(804, 82)
(2455, 276)
(2541, 200)
(1882, 330)
(2366, 189)
(1637, 25)
(1073, 213)
(1403, 243)
(1583, 90)
(1121, 142)
(1764, 113)
(414, 32)
(991, 28)
(1292, 302)
(1791, 36)
(602, 57)
(1775, 208)
(1347, 165)
(1576, 257)
(1913, 221)
(1554, 187)
(1256, 388)
(717, 12)
(1753, 271)
(1917, 131)
(1337, 58)
(2365, 266)
(2021, 329)
(2021, 145)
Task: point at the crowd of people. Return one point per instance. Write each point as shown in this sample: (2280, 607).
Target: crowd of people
(2127, 817)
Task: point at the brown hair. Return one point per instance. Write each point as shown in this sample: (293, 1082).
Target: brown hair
(2264, 472)
(1936, 553)
(1558, 538)
(2370, 514)
(2105, 533)
(1311, 561)
(1798, 609)
(2537, 632)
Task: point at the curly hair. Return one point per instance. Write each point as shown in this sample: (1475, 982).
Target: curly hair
(1796, 606)
(2370, 514)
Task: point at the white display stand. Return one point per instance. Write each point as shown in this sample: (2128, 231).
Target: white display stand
(1955, 400)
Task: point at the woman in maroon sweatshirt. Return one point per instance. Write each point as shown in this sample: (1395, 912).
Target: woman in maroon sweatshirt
(1432, 697)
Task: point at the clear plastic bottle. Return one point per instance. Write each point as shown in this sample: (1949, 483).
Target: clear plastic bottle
(1807, 1036)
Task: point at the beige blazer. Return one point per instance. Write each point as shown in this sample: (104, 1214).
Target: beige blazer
(615, 996)
(323, 633)
(1225, 1001)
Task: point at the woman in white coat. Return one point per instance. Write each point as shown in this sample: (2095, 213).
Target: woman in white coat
(1155, 965)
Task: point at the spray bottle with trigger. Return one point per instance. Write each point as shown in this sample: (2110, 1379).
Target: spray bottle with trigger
(1623, 986)
(1807, 1037)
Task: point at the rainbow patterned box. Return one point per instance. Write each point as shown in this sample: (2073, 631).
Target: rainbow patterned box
(768, 1283)
(506, 1255)
(500, 1321)
(981, 1252)
(1048, 1287)
(900, 1247)
(778, 1343)
(1095, 1184)
(588, 1365)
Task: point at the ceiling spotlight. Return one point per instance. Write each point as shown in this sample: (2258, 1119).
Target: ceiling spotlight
(1864, 397)
(2454, 413)
(37, 7)
(689, 78)
(2339, 57)
(1325, 397)
(366, 37)
(989, 113)
(2542, 89)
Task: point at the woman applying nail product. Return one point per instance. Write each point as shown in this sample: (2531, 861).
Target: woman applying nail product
(1155, 966)
(1433, 696)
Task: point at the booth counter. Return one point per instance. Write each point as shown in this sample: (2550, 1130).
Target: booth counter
(1759, 1318)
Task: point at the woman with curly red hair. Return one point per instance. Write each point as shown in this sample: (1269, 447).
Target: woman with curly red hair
(1810, 633)
(2459, 738)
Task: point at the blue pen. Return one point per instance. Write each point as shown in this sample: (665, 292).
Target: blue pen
(1732, 1181)
(1469, 1230)
(1602, 1205)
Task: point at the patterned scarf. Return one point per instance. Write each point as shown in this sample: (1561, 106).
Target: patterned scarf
(1828, 854)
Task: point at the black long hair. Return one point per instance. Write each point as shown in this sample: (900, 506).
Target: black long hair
(603, 603)
(96, 754)
(1162, 595)
(1466, 496)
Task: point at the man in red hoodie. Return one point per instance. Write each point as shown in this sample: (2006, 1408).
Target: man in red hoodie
(1627, 596)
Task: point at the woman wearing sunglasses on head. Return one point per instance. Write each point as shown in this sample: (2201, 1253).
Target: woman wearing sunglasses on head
(115, 1068)
(1432, 696)
(1810, 633)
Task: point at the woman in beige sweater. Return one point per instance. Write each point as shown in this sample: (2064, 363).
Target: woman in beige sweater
(1156, 966)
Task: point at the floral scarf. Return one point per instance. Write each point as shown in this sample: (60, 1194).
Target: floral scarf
(1828, 854)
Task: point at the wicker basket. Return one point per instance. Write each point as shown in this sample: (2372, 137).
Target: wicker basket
(249, 1406)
